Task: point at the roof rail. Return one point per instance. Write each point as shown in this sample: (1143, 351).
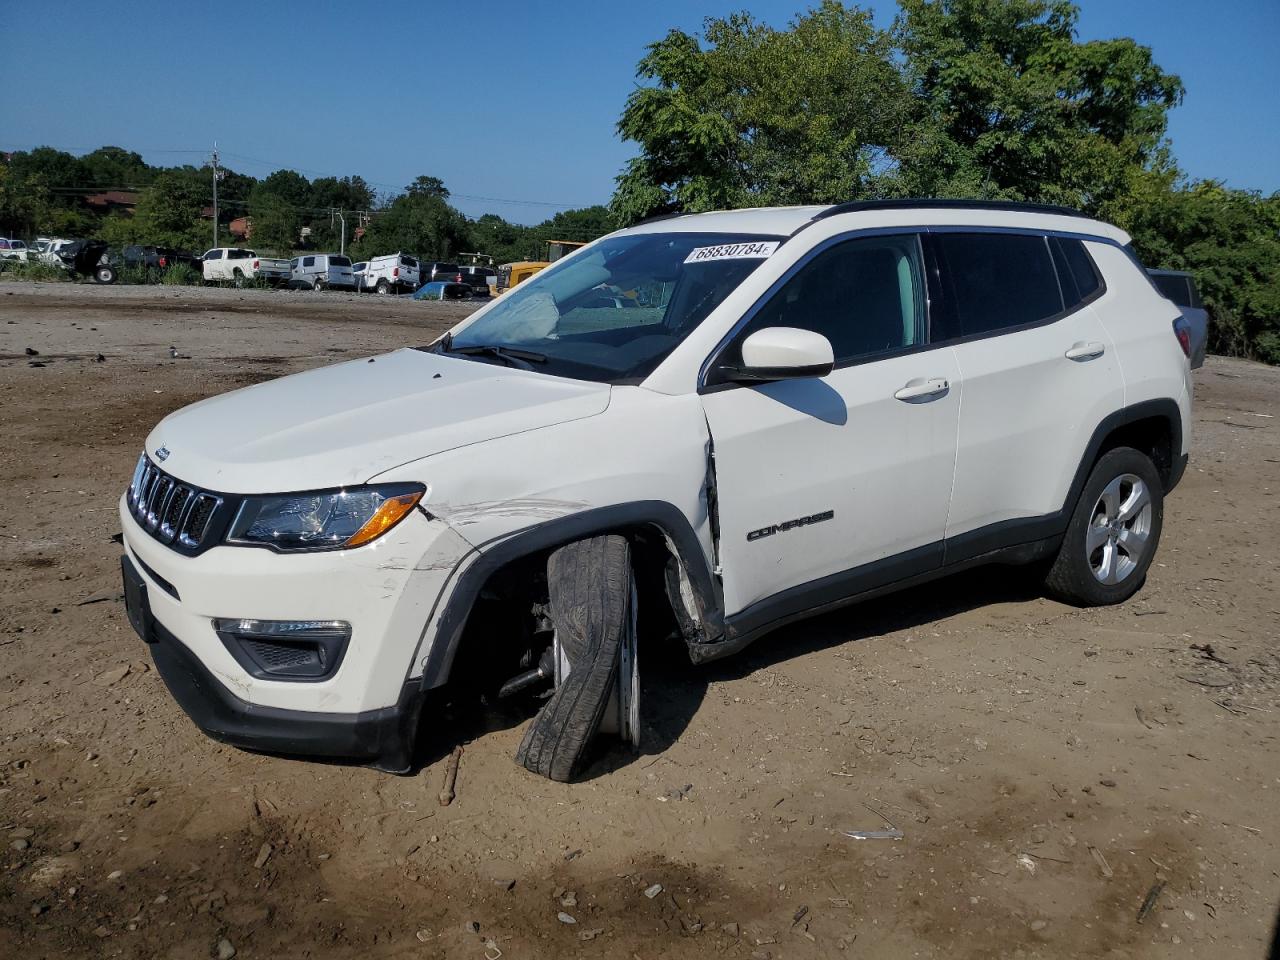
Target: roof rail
(918, 203)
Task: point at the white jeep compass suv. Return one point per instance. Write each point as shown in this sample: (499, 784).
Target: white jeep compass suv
(705, 426)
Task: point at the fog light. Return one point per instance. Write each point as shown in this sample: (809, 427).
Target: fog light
(286, 649)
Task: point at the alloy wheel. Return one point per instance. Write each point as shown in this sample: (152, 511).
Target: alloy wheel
(1119, 529)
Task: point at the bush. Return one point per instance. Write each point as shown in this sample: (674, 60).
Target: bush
(182, 275)
(32, 270)
(134, 274)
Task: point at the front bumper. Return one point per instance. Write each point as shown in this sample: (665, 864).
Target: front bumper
(383, 738)
(388, 592)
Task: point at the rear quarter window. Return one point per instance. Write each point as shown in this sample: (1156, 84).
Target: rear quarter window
(996, 281)
(1174, 288)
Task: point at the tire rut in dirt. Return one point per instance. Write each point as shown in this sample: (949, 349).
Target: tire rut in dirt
(590, 592)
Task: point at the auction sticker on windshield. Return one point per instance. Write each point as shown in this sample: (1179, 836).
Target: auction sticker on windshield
(757, 250)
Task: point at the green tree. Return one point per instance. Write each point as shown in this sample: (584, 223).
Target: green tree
(115, 168)
(418, 221)
(24, 202)
(276, 223)
(762, 116)
(348, 194)
(169, 212)
(1009, 104)
(1230, 240)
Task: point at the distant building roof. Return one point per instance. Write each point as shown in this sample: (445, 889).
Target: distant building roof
(112, 200)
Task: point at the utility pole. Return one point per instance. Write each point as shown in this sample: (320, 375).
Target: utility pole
(334, 212)
(215, 193)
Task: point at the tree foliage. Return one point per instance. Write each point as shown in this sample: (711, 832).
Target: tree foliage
(960, 98)
(761, 116)
(168, 212)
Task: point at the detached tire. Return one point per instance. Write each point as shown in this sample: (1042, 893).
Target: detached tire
(1113, 534)
(591, 593)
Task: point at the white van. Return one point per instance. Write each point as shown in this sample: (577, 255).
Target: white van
(394, 273)
(323, 271)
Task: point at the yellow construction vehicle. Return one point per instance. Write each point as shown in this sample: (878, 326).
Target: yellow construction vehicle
(513, 274)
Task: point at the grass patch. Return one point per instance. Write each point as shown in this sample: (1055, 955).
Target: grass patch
(32, 270)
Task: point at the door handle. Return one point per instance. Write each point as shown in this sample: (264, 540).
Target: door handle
(1082, 350)
(921, 390)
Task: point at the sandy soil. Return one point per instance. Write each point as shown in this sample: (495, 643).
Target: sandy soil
(1049, 767)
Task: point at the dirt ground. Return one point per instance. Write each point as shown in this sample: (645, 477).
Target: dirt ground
(1050, 767)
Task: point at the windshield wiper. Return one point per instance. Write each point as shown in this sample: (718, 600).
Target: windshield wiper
(512, 356)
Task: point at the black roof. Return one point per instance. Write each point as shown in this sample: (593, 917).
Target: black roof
(934, 203)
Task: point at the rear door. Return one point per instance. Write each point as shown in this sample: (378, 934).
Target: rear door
(838, 484)
(1040, 373)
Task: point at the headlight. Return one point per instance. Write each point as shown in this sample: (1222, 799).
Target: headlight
(325, 520)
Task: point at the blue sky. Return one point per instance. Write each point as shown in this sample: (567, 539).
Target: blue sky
(515, 104)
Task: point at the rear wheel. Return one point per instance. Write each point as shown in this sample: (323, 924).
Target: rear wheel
(593, 605)
(103, 273)
(317, 285)
(383, 287)
(1113, 534)
(237, 277)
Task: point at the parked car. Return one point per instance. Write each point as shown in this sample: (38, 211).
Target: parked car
(13, 249)
(323, 271)
(443, 290)
(47, 250)
(236, 264)
(393, 273)
(84, 258)
(482, 280)
(893, 391)
(157, 258)
(1180, 287)
(433, 270)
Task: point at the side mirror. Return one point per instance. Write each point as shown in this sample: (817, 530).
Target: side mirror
(781, 353)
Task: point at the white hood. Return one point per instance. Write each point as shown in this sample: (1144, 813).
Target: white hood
(340, 425)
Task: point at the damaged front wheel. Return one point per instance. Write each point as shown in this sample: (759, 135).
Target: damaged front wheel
(597, 681)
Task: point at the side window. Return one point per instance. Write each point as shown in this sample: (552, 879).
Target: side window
(1174, 287)
(1076, 272)
(1195, 300)
(997, 281)
(308, 261)
(864, 295)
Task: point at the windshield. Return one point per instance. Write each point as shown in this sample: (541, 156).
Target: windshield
(614, 313)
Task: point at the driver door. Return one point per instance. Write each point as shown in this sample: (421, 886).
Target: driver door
(832, 486)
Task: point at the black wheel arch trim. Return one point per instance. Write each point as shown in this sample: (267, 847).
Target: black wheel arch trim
(659, 514)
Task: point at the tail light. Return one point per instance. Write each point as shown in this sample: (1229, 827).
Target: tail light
(395, 272)
(255, 264)
(164, 262)
(458, 278)
(1183, 332)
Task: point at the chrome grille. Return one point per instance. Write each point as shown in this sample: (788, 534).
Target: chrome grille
(169, 510)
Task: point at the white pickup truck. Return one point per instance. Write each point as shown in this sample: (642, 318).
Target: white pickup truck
(237, 265)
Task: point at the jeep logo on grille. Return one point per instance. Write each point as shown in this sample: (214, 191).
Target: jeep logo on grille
(162, 454)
